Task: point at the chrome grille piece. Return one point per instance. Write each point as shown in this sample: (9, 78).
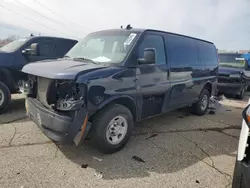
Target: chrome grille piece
(42, 90)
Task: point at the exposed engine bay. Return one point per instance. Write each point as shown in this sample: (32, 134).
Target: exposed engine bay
(62, 95)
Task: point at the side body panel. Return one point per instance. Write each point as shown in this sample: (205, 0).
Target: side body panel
(106, 85)
(191, 69)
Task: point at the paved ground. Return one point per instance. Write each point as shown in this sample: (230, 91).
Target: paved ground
(179, 150)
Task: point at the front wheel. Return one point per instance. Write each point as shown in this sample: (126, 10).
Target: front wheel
(201, 106)
(112, 128)
(238, 181)
(5, 97)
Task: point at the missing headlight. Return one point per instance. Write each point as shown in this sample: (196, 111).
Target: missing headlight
(68, 96)
(26, 86)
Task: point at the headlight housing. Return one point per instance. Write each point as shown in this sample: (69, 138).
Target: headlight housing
(26, 86)
(246, 115)
(69, 96)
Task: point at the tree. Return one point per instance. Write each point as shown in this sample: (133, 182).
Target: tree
(8, 40)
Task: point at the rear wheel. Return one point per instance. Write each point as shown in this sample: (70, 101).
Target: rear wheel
(241, 95)
(5, 97)
(112, 128)
(201, 106)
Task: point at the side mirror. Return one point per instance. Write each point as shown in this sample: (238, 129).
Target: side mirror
(33, 50)
(149, 56)
(246, 115)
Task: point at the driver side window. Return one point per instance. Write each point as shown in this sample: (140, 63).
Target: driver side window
(156, 42)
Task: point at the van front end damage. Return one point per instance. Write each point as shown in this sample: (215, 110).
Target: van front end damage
(233, 81)
(58, 108)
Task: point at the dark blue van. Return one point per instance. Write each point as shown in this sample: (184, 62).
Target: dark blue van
(16, 54)
(114, 78)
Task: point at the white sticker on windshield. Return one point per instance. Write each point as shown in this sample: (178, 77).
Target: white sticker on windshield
(102, 59)
(130, 39)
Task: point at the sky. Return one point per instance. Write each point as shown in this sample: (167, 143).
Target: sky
(224, 22)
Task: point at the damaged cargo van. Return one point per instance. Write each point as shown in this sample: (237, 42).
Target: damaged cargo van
(113, 78)
(234, 74)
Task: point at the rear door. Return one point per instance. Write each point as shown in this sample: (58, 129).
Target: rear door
(184, 70)
(209, 58)
(152, 80)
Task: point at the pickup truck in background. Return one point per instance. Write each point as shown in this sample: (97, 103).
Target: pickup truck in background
(16, 54)
(234, 76)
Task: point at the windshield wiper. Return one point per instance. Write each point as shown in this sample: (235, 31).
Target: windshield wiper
(84, 59)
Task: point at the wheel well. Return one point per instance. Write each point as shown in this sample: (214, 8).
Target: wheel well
(6, 78)
(3, 77)
(208, 86)
(122, 101)
(128, 103)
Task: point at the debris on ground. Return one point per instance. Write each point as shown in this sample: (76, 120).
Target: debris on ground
(99, 175)
(153, 135)
(138, 159)
(197, 181)
(98, 159)
(214, 104)
(84, 165)
(180, 117)
(211, 112)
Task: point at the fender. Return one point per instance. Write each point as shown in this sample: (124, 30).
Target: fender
(119, 97)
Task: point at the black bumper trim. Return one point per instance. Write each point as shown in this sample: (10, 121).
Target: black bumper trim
(57, 127)
(230, 88)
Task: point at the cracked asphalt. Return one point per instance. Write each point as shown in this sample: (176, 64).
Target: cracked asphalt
(178, 149)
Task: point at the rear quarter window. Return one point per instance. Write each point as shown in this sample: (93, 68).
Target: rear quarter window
(182, 51)
(207, 53)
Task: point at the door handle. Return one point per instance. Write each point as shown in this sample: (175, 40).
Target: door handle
(168, 74)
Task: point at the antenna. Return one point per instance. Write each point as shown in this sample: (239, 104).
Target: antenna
(128, 26)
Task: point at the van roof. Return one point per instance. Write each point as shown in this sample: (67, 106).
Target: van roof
(141, 30)
(52, 37)
(230, 53)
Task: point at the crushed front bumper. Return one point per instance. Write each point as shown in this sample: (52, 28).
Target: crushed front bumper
(230, 88)
(59, 127)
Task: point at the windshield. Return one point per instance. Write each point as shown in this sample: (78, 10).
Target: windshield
(104, 46)
(13, 46)
(231, 60)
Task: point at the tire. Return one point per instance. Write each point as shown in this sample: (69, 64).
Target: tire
(248, 88)
(101, 124)
(238, 181)
(241, 95)
(200, 108)
(5, 97)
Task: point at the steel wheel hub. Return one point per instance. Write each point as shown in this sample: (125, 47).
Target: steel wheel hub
(1, 97)
(116, 130)
(204, 102)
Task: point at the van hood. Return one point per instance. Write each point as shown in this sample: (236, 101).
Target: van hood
(60, 69)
